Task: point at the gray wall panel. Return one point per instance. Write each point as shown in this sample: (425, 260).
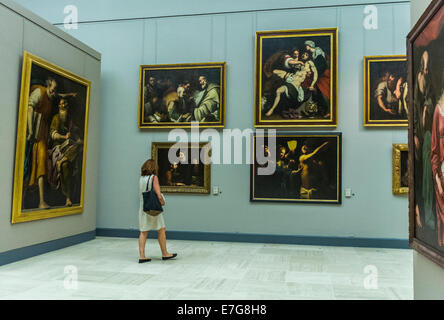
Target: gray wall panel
(24, 34)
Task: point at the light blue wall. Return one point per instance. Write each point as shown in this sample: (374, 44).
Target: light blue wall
(367, 154)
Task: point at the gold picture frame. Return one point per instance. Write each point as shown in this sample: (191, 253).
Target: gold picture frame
(376, 69)
(36, 69)
(199, 183)
(174, 100)
(291, 151)
(304, 106)
(400, 168)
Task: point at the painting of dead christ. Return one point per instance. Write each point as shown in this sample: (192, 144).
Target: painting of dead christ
(296, 78)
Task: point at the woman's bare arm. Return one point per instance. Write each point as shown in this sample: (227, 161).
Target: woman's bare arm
(156, 188)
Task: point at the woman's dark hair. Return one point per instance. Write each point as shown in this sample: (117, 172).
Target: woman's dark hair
(149, 167)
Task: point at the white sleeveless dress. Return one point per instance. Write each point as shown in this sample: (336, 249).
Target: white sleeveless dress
(147, 222)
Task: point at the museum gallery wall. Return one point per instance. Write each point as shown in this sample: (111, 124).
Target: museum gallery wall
(296, 86)
(338, 37)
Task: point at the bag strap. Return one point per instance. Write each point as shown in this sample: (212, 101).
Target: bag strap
(148, 182)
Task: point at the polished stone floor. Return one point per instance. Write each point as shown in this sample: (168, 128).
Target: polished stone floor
(107, 268)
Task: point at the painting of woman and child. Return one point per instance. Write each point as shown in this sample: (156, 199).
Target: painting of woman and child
(183, 167)
(296, 74)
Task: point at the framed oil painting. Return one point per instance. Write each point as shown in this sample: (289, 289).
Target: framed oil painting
(385, 91)
(183, 167)
(296, 78)
(425, 49)
(400, 172)
(307, 168)
(52, 134)
(174, 96)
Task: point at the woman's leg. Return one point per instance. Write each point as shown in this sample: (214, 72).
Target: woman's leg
(142, 241)
(161, 237)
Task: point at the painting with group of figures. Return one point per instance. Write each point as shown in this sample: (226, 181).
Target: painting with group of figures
(51, 142)
(304, 167)
(426, 143)
(174, 96)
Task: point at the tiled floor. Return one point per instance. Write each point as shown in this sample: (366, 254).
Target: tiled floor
(107, 268)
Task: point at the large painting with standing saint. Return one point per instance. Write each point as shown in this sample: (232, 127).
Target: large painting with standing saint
(296, 78)
(51, 142)
(425, 50)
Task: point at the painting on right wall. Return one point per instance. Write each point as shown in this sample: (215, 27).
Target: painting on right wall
(425, 47)
(385, 91)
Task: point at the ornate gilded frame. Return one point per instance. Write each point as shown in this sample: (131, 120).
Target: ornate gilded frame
(18, 215)
(367, 94)
(155, 146)
(330, 122)
(183, 66)
(416, 243)
(398, 148)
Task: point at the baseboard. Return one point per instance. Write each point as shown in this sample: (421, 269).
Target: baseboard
(264, 238)
(37, 249)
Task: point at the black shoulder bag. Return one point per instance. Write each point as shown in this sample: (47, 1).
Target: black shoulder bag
(151, 203)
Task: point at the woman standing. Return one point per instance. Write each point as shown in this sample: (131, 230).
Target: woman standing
(149, 181)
